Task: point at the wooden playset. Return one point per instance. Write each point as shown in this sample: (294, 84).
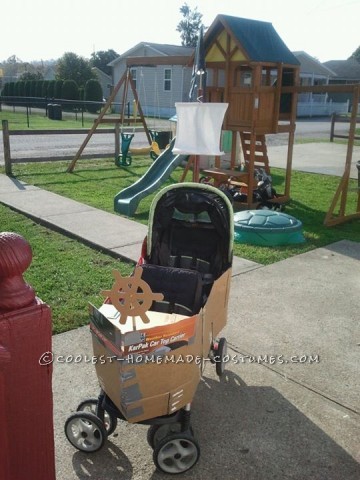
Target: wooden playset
(249, 67)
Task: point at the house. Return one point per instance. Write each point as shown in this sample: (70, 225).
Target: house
(49, 71)
(315, 73)
(312, 72)
(345, 72)
(104, 80)
(159, 85)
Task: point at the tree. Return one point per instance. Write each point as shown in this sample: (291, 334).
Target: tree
(356, 55)
(72, 67)
(27, 76)
(101, 59)
(12, 66)
(189, 26)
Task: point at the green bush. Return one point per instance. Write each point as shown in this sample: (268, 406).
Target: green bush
(45, 87)
(58, 88)
(11, 89)
(51, 89)
(8, 91)
(32, 88)
(27, 88)
(70, 91)
(39, 88)
(93, 93)
(21, 88)
(5, 90)
(38, 93)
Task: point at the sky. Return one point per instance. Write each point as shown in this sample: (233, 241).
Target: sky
(46, 29)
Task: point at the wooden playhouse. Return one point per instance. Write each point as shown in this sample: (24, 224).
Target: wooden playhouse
(248, 65)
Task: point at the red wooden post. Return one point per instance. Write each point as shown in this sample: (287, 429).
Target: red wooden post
(26, 406)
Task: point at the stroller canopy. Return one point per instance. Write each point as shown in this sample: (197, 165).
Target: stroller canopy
(192, 221)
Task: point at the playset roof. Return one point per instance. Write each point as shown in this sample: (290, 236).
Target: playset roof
(257, 39)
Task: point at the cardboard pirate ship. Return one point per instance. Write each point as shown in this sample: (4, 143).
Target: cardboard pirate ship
(156, 327)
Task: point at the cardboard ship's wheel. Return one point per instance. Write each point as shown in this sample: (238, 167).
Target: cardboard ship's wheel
(132, 296)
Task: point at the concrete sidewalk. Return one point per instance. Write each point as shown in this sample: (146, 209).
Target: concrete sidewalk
(288, 406)
(324, 158)
(115, 235)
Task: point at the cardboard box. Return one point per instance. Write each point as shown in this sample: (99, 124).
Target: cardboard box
(153, 369)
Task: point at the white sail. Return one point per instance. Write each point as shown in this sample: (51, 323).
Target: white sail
(198, 130)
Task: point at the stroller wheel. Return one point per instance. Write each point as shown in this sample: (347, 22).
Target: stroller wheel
(176, 453)
(85, 431)
(156, 433)
(91, 405)
(220, 355)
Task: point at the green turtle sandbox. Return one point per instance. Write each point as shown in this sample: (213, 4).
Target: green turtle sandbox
(267, 228)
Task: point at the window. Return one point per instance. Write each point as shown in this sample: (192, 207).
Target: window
(243, 76)
(133, 76)
(167, 79)
(268, 77)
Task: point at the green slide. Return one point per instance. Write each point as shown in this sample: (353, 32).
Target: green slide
(126, 201)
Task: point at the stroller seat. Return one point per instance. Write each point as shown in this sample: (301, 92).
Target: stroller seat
(182, 289)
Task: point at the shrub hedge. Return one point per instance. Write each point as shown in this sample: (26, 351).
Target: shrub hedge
(40, 92)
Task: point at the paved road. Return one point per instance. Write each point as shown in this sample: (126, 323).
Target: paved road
(67, 145)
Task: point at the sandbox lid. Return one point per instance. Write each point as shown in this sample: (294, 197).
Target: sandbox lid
(267, 228)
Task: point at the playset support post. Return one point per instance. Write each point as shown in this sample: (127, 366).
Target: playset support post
(6, 144)
(341, 194)
(26, 403)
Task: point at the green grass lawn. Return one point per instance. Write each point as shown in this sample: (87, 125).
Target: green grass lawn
(67, 275)
(64, 273)
(96, 182)
(38, 121)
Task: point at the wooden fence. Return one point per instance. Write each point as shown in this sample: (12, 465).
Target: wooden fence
(7, 133)
(341, 119)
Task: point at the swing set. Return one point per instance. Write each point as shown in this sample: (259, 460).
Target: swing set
(123, 156)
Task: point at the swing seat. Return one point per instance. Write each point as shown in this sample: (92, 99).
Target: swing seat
(125, 142)
(124, 157)
(161, 138)
(140, 150)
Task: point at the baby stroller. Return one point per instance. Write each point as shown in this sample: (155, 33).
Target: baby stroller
(160, 324)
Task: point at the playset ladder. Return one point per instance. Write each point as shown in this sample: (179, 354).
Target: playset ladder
(261, 157)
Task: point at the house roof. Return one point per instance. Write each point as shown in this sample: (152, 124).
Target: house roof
(154, 50)
(101, 75)
(258, 39)
(345, 69)
(312, 66)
